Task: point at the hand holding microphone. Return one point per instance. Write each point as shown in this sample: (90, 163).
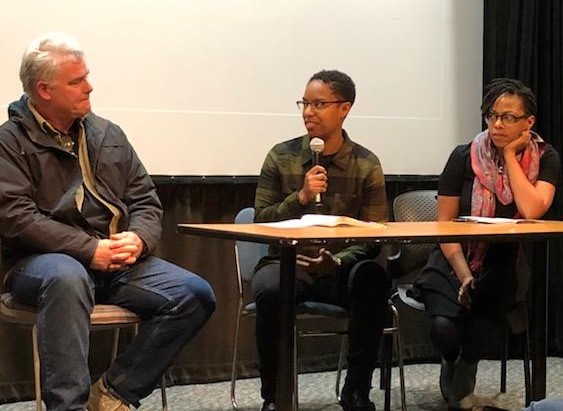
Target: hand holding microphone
(317, 146)
(315, 179)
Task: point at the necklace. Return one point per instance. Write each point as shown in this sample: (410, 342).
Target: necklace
(500, 165)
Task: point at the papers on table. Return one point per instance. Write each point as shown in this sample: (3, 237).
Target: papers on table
(493, 220)
(309, 220)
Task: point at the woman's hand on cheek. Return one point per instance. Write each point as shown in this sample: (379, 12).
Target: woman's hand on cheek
(520, 143)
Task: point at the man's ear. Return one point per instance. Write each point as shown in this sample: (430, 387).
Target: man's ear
(42, 89)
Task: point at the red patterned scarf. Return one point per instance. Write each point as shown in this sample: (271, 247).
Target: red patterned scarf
(491, 181)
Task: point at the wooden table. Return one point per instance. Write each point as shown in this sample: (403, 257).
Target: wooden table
(538, 233)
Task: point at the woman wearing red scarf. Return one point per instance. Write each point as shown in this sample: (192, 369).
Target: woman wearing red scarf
(506, 171)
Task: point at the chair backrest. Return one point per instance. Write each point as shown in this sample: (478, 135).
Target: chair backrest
(418, 205)
(247, 254)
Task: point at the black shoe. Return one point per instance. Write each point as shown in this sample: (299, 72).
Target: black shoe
(354, 400)
(462, 386)
(447, 371)
(268, 406)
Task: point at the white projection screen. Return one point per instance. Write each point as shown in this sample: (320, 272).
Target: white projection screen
(206, 88)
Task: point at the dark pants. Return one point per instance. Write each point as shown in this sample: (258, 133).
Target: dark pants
(173, 303)
(469, 333)
(467, 337)
(363, 291)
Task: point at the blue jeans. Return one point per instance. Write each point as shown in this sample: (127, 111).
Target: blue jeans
(173, 303)
(548, 404)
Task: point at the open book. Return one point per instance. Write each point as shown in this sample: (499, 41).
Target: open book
(493, 220)
(309, 220)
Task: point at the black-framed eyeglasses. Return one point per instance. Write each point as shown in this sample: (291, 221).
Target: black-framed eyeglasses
(505, 118)
(317, 104)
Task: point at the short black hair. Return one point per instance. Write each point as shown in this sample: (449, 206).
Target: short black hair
(340, 83)
(500, 86)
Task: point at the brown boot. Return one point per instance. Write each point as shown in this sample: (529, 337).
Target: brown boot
(101, 399)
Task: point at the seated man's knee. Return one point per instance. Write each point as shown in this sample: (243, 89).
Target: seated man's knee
(65, 273)
(179, 292)
(204, 293)
(52, 278)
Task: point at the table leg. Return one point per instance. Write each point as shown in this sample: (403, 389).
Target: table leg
(285, 387)
(539, 296)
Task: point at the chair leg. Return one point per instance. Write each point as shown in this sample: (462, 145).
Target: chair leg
(382, 375)
(383, 369)
(235, 359)
(504, 360)
(387, 365)
(527, 379)
(399, 345)
(163, 393)
(393, 334)
(341, 355)
(295, 371)
(115, 344)
(36, 368)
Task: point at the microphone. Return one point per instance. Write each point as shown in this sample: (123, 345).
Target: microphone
(317, 146)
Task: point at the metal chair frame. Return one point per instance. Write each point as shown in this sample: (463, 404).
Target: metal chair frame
(103, 317)
(303, 312)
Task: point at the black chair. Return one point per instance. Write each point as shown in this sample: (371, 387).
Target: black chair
(247, 255)
(422, 205)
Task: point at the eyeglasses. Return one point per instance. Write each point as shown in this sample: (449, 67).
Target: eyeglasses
(317, 104)
(505, 118)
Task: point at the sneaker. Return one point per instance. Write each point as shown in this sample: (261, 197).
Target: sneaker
(102, 399)
(355, 400)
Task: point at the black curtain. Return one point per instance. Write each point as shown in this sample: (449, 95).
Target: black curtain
(522, 39)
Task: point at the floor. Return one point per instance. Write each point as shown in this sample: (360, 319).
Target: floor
(316, 391)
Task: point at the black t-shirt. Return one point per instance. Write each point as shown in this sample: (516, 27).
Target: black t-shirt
(457, 180)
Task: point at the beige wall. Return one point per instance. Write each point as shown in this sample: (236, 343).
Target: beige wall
(207, 87)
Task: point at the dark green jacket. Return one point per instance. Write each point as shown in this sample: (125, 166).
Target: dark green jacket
(356, 188)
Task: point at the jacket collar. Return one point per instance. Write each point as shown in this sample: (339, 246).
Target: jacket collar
(38, 128)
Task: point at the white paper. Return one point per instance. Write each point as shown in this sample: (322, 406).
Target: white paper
(493, 220)
(325, 220)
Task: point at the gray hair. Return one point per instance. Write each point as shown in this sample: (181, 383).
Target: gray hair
(39, 62)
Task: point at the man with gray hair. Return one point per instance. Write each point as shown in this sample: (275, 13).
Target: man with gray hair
(79, 219)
